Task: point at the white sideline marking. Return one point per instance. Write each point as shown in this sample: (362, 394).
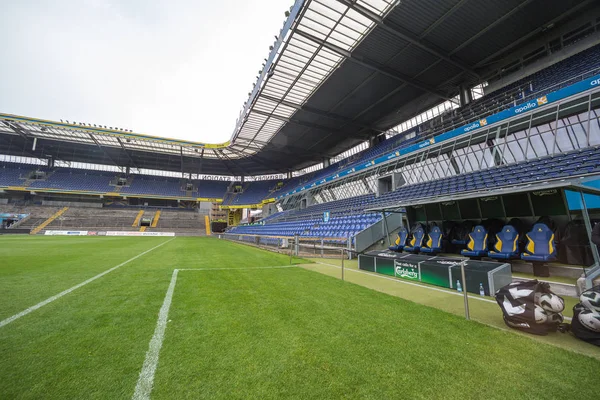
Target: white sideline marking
(222, 269)
(416, 284)
(145, 382)
(65, 292)
(146, 379)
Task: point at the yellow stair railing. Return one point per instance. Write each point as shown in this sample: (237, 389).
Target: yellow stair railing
(47, 222)
(138, 218)
(143, 229)
(155, 219)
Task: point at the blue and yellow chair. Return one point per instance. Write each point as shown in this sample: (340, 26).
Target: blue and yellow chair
(400, 240)
(433, 245)
(507, 244)
(477, 244)
(540, 249)
(415, 244)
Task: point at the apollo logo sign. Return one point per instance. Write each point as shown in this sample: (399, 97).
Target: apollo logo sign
(526, 107)
(595, 82)
(471, 127)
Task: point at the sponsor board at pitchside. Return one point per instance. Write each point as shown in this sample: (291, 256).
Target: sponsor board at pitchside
(405, 270)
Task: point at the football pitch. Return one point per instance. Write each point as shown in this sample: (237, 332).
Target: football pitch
(202, 318)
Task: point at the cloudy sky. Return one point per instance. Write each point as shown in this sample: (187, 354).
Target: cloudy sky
(175, 68)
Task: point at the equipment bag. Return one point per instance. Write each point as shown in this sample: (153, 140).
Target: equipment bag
(577, 328)
(517, 301)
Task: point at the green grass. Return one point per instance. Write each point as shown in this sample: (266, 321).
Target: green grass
(264, 334)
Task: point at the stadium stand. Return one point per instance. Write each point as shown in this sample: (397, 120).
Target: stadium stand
(252, 193)
(14, 174)
(75, 179)
(155, 186)
(554, 77)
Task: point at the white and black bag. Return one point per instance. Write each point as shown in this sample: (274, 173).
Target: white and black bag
(520, 311)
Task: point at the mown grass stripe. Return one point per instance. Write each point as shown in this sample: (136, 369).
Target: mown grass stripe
(65, 292)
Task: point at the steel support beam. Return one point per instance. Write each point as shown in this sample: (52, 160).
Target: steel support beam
(372, 65)
(406, 36)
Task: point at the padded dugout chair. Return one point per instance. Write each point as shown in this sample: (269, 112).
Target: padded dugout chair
(540, 249)
(506, 246)
(477, 244)
(400, 240)
(434, 243)
(414, 245)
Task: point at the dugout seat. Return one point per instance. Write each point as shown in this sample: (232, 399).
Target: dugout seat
(506, 246)
(433, 245)
(400, 240)
(477, 243)
(540, 248)
(415, 243)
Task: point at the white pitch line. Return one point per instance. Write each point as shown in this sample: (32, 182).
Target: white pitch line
(146, 379)
(145, 382)
(222, 269)
(65, 292)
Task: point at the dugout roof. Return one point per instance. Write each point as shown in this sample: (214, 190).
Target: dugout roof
(339, 72)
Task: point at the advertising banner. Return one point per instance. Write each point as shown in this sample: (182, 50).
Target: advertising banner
(438, 271)
(137, 233)
(66, 233)
(406, 270)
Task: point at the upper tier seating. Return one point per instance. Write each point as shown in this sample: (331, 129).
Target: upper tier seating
(155, 185)
(12, 174)
(76, 179)
(211, 189)
(253, 193)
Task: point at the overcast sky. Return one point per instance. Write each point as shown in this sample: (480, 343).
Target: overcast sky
(178, 68)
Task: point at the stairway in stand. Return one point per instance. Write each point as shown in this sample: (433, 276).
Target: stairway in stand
(47, 222)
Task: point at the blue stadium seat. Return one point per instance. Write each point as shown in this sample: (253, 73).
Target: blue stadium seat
(400, 240)
(415, 243)
(506, 247)
(540, 245)
(434, 243)
(477, 244)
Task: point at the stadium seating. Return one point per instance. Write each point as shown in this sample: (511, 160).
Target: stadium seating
(156, 186)
(540, 245)
(211, 189)
(12, 174)
(76, 179)
(416, 242)
(253, 193)
(338, 227)
(506, 246)
(433, 245)
(477, 245)
(400, 240)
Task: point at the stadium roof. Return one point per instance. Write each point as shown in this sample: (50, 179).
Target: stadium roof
(340, 72)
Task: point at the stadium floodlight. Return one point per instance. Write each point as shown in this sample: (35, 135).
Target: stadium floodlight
(287, 14)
